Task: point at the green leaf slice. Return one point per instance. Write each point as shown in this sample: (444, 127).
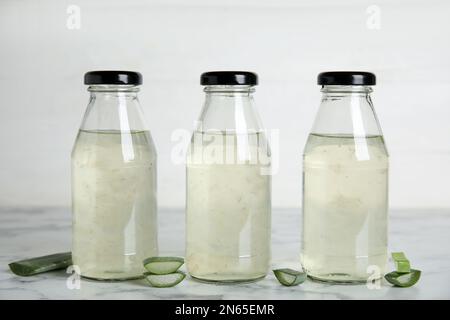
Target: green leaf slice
(401, 262)
(289, 277)
(29, 267)
(404, 280)
(165, 280)
(163, 265)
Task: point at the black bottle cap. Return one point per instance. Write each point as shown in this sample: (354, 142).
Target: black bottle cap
(343, 78)
(113, 77)
(230, 78)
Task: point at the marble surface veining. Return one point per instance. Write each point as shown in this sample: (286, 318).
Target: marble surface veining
(424, 235)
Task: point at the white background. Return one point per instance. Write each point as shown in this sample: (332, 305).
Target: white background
(287, 42)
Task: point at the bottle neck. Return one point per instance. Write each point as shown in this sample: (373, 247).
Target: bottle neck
(343, 91)
(346, 110)
(229, 90)
(110, 91)
(229, 108)
(114, 108)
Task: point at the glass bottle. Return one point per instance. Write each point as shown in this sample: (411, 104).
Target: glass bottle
(113, 181)
(345, 184)
(228, 184)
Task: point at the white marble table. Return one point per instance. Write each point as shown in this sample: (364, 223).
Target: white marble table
(423, 234)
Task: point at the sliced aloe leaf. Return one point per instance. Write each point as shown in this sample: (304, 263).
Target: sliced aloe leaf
(401, 262)
(29, 267)
(403, 280)
(289, 277)
(165, 280)
(163, 265)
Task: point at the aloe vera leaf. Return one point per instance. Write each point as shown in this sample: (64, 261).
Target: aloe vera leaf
(404, 280)
(29, 267)
(165, 280)
(289, 277)
(401, 262)
(163, 265)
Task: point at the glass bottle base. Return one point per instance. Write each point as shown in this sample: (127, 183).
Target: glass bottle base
(113, 279)
(214, 279)
(338, 278)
